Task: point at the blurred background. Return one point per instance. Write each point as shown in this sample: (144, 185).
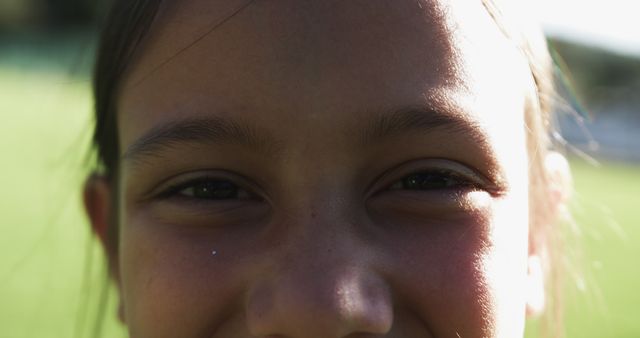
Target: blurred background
(52, 278)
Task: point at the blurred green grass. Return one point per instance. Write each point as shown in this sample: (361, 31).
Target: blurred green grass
(51, 272)
(606, 208)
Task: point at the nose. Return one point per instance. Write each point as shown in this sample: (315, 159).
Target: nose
(320, 291)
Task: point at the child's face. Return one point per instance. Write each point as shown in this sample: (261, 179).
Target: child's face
(324, 169)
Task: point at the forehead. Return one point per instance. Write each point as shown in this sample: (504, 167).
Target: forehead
(304, 60)
(304, 38)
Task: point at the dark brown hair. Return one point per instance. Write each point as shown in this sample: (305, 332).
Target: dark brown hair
(126, 25)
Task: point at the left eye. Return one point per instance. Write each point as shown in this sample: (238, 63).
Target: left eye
(431, 180)
(210, 189)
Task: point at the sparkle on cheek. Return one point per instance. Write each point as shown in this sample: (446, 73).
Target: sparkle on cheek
(477, 200)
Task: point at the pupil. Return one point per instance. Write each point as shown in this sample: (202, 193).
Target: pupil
(216, 190)
(426, 181)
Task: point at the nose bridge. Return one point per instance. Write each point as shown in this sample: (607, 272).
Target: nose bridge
(322, 284)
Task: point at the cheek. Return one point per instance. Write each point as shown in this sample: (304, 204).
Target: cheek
(466, 275)
(506, 267)
(173, 284)
(442, 276)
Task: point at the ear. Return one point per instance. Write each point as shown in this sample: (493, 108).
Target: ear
(97, 199)
(97, 204)
(559, 190)
(560, 182)
(535, 287)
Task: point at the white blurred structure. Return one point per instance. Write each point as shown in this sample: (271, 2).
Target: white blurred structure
(611, 24)
(614, 25)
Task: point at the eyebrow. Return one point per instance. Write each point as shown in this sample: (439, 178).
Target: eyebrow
(421, 119)
(199, 130)
(208, 130)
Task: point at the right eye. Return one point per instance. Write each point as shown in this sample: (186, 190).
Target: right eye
(208, 189)
(434, 179)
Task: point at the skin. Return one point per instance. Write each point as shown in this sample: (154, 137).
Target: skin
(324, 238)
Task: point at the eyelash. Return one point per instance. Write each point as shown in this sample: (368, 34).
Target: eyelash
(201, 182)
(440, 179)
